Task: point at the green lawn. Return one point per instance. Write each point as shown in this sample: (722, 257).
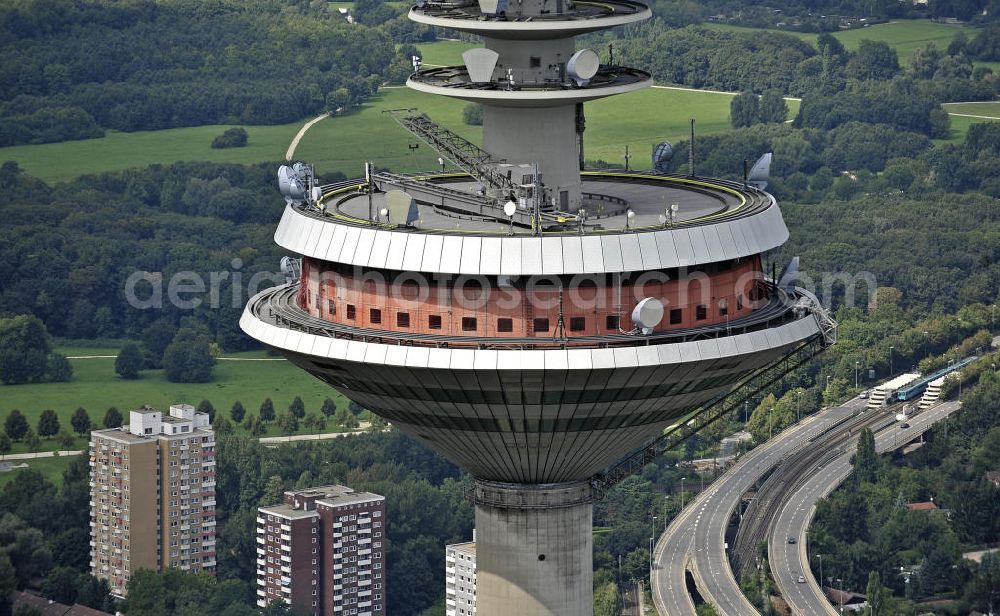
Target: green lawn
(904, 36)
(95, 387)
(52, 468)
(960, 124)
(443, 53)
(989, 109)
(62, 161)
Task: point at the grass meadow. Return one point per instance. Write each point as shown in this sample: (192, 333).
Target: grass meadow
(96, 387)
(904, 36)
(54, 162)
(51, 468)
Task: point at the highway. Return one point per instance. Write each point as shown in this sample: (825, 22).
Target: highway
(789, 561)
(695, 539)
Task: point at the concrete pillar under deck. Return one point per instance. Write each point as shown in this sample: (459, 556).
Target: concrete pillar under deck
(546, 135)
(534, 561)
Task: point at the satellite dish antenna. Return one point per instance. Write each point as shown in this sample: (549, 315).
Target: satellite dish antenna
(663, 219)
(582, 66)
(647, 314)
(293, 182)
(384, 212)
(317, 194)
(509, 208)
(674, 207)
(663, 153)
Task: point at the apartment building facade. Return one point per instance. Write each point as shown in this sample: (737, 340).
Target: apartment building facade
(323, 551)
(152, 495)
(460, 578)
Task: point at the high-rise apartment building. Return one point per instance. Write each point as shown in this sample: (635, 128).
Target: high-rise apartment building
(152, 495)
(322, 551)
(460, 578)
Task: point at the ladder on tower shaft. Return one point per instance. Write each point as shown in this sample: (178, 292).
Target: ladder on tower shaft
(464, 154)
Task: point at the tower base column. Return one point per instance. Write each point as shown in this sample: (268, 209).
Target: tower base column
(534, 549)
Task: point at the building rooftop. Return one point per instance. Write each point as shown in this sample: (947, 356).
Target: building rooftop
(287, 511)
(468, 547)
(122, 435)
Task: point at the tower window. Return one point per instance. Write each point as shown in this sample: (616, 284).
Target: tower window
(723, 308)
(676, 316)
(577, 324)
(375, 316)
(612, 322)
(402, 319)
(505, 325)
(739, 302)
(469, 324)
(535, 62)
(701, 312)
(541, 325)
(434, 321)
(332, 307)
(350, 311)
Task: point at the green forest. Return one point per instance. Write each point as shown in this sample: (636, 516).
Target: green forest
(65, 74)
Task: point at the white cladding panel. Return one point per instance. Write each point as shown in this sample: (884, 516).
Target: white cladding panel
(686, 245)
(431, 261)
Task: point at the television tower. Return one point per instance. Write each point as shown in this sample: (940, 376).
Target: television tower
(538, 325)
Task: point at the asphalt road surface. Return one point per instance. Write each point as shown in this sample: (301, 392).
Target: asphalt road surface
(789, 561)
(695, 539)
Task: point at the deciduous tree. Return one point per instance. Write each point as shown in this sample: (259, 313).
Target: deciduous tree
(16, 425)
(129, 361)
(80, 421)
(48, 423)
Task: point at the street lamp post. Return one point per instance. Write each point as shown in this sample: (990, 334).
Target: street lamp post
(925, 343)
(857, 366)
(890, 359)
(820, 557)
(651, 561)
(841, 583)
(798, 404)
(770, 425)
(682, 492)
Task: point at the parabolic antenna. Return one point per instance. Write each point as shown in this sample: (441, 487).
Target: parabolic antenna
(760, 173)
(582, 66)
(663, 153)
(647, 314)
(509, 208)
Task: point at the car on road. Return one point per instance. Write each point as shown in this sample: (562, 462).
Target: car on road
(904, 426)
(802, 579)
(863, 395)
(791, 540)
